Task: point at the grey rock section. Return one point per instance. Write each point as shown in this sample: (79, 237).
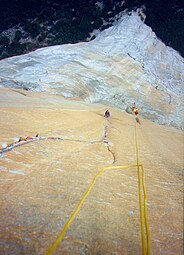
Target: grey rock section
(126, 63)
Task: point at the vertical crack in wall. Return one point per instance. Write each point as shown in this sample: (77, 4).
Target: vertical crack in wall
(106, 141)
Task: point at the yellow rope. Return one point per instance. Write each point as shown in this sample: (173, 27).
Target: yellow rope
(140, 196)
(145, 213)
(143, 217)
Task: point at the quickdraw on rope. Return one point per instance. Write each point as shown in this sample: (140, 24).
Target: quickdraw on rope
(145, 235)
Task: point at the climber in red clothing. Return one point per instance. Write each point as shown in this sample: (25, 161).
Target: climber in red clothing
(135, 110)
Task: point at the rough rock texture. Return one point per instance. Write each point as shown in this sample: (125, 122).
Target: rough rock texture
(126, 63)
(43, 181)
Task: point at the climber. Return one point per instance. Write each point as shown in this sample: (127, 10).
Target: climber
(107, 114)
(135, 110)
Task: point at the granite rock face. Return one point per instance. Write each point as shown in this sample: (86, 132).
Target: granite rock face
(126, 63)
(43, 180)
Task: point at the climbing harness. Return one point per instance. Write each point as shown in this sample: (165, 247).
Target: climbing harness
(145, 234)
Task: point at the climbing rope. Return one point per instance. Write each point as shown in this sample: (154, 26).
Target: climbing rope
(145, 235)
